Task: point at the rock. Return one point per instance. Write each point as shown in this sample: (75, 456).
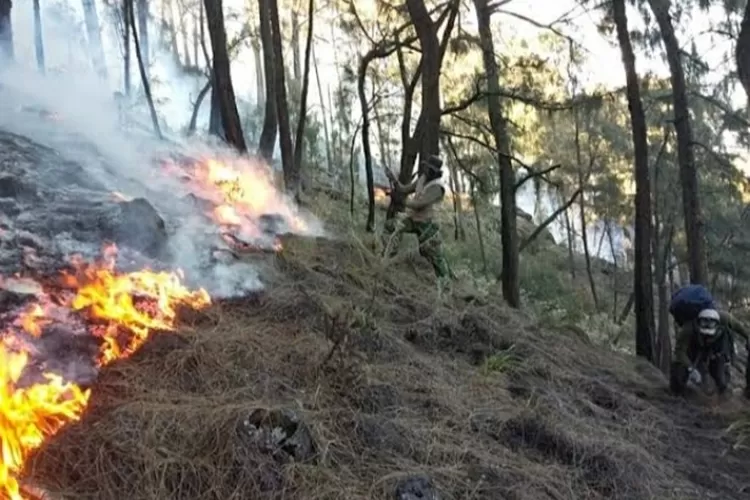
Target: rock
(280, 433)
(140, 227)
(416, 488)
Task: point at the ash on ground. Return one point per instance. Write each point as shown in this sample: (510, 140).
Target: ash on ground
(52, 207)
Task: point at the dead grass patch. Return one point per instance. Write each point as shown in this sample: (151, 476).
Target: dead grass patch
(390, 383)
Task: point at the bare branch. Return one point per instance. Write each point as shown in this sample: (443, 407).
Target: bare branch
(549, 27)
(533, 174)
(549, 220)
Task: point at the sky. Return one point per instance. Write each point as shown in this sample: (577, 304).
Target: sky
(603, 64)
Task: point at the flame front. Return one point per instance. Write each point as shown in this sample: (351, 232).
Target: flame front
(241, 192)
(121, 310)
(106, 299)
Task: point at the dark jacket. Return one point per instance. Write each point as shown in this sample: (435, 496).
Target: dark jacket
(688, 339)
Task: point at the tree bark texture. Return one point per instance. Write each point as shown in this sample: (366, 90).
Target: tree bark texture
(93, 32)
(642, 277)
(270, 128)
(299, 140)
(222, 78)
(291, 177)
(508, 235)
(38, 37)
(144, 77)
(143, 37)
(688, 172)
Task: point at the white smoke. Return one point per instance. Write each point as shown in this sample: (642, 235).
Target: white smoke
(87, 129)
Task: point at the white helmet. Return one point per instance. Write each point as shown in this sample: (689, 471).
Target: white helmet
(708, 322)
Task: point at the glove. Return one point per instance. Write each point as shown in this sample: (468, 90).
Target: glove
(695, 376)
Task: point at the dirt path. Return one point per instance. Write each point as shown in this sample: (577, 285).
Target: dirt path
(699, 446)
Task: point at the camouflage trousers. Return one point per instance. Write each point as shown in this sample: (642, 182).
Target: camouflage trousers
(428, 236)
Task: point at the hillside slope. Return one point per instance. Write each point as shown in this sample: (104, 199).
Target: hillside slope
(387, 391)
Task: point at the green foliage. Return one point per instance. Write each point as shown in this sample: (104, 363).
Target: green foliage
(501, 362)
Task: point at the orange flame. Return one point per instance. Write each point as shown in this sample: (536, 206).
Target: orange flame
(240, 191)
(31, 414)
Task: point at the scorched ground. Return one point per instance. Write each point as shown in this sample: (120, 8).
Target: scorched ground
(68, 312)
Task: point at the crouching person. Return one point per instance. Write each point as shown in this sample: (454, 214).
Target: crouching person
(705, 346)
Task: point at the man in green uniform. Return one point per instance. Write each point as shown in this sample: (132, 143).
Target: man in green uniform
(419, 220)
(706, 345)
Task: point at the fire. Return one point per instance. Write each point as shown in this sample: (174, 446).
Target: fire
(113, 304)
(120, 310)
(241, 192)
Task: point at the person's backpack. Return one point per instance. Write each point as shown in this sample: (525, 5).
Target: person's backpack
(688, 302)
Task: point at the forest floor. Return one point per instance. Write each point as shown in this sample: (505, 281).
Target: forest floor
(347, 379)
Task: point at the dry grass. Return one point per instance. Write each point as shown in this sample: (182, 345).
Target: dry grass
(393, 382)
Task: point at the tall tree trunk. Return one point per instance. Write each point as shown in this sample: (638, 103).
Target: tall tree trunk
(458, 209)
(260, 91)
(367, 153)
(185, 39)
(196, 39)
(144, 77)
(223, 87)
(163, 22)
(202, 30)
(197, 106)
(407, 158)
(215, 126)
(662, 247)
(38, 37)
(295, 49)
(299, 141)
(143, 37)
(478, 221)
(688, 176)
(427, 32)
(611, 241)
(585, 243)
(376, 83)
(582, 181)
(626, 310)
(508, 232)
(409, 150)
(642, 277)
(6, 32)
(93, 32)
(570, 238)
(742, 52)
(126, 44)
(663, 341)
(323, 116)
(598, 253)
(460, 233)
(267, 139)
(410, 143)
(172, 32)
(291, 178)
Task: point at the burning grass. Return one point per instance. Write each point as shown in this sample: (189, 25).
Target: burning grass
(373, 385)
(118, 310)
(58, 329)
